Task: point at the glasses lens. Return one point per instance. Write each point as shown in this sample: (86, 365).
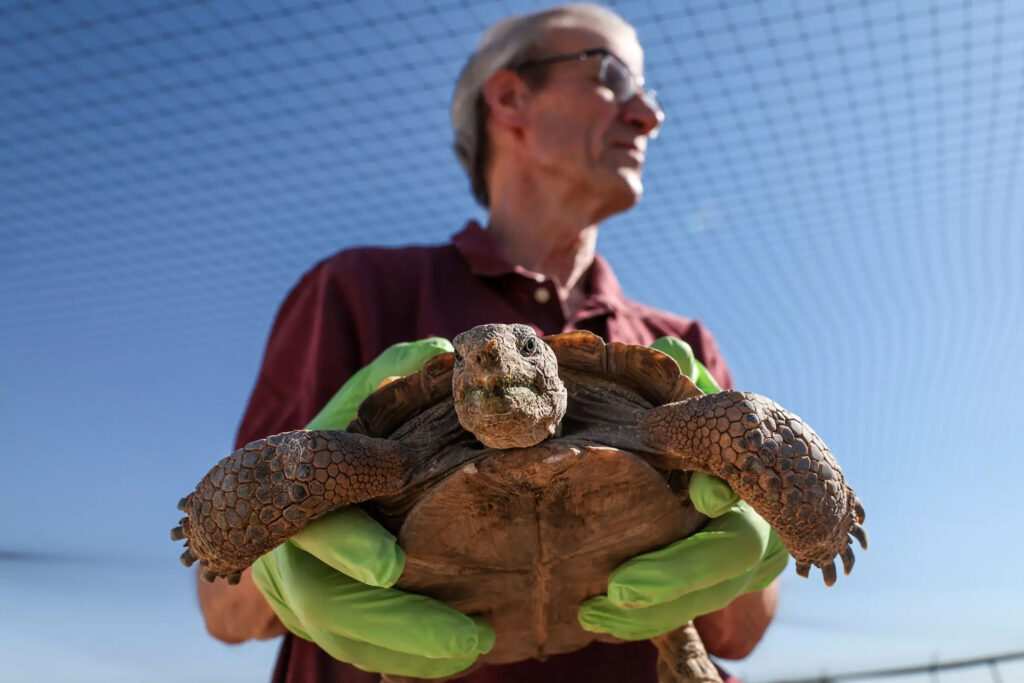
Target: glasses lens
(616, 76)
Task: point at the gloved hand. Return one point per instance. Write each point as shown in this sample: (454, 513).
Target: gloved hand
(331, 583)
(737, 552)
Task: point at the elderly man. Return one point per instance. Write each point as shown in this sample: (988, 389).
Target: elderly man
(552, 123)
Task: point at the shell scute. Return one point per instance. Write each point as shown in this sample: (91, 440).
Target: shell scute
(580, 350)
(648, 370)
(393, 404)
(651, 372)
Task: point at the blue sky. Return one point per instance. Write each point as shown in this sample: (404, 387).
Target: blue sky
(835, 194)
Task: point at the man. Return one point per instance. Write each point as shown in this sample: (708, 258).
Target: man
(552, 124)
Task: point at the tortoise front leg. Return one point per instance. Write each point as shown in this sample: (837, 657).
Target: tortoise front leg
(268, 490)
(773, 461)
(682, 657)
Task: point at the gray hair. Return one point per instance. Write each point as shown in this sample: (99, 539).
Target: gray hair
(508, 43)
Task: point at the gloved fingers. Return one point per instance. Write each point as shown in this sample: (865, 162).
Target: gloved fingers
(776, 557)
(325, 600)
(681, 353)
(406, 358)
(729, 546)
(382, 660)
(601, 615)
(352, 542)
(705, 382)
(711, 495)
(398, 359)
(263, 575)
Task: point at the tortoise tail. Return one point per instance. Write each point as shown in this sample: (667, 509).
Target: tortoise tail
(775, 462)
(270, 489)
(682, 657)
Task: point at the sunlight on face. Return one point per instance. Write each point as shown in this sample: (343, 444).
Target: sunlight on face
(578, 135)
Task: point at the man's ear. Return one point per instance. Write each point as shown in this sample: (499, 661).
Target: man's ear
(506, 95)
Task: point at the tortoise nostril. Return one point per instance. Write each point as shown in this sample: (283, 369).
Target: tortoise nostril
(488, 358)
(489, 354)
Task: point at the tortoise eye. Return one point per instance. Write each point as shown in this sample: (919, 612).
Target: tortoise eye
(530, 346)
(458, 358)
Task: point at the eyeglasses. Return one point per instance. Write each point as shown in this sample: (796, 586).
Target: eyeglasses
(614, 75)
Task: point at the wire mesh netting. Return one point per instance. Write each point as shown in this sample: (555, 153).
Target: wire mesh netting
(835, 193)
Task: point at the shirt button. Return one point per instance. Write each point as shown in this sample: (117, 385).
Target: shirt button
(541, 295)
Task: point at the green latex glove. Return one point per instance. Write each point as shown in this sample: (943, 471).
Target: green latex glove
(396, 360)
(737, 552)
(331, 583)
(683, 355)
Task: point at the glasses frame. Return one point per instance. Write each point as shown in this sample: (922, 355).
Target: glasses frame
(637, 89)
(637, 86)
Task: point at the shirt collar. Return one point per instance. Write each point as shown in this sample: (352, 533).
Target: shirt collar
(477, 247)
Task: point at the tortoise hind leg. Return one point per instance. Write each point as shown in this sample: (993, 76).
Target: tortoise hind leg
(683, 659)
(774, 461)
(270, 489)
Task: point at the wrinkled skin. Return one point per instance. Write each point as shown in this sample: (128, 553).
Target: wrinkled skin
(506, 386)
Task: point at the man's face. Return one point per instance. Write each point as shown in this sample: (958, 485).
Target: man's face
(577, 135)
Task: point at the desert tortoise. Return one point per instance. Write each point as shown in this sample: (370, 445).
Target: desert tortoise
(526, 466)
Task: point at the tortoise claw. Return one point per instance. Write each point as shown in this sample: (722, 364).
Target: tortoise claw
(828, 572)
(183, 503)
(209, 576)
(187, 558)
(803, 569)
(177, 533)
(233, 579)
(858, 507)
(857, 531)
(848, 559)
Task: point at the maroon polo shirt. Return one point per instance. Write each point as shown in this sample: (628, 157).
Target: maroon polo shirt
(353, 305)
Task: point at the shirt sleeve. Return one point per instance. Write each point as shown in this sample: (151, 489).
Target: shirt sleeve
(312, 350)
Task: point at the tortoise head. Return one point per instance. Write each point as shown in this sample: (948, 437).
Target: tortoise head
(506, 387)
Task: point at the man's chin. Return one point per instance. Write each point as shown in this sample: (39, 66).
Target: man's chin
(634, 180)
(626, 189)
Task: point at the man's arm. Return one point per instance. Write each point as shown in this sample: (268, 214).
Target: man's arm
(733, 632)
(235, 614)
(299, 372)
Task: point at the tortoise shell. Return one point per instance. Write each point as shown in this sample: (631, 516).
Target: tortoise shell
(524, 536)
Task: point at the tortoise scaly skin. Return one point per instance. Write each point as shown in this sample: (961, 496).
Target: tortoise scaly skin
(506, 391)
(775, 462)
(268, 490)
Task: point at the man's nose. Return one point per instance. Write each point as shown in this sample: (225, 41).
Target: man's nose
(643, 114)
